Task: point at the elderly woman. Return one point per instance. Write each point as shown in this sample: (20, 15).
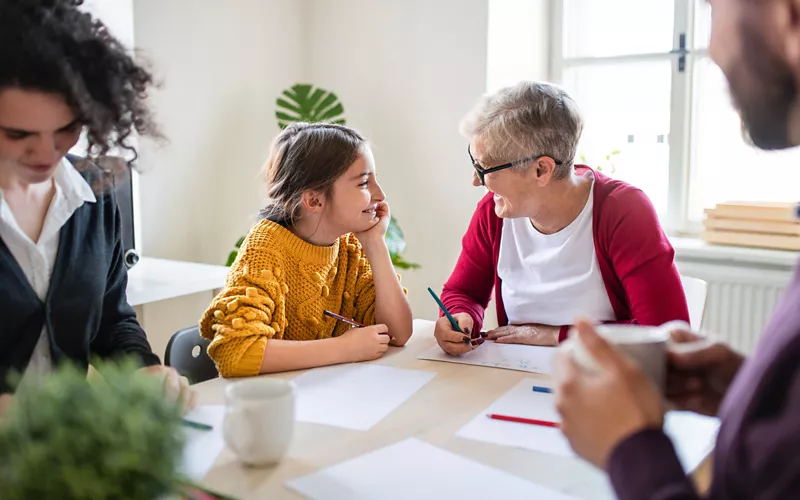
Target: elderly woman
(554, 241)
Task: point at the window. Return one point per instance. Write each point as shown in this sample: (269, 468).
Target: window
(659, 109)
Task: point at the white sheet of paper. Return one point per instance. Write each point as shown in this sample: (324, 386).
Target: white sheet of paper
(203, 447)
(525, 358)
(355, 396)
(520, 401)
(412, 469)
(693, 435)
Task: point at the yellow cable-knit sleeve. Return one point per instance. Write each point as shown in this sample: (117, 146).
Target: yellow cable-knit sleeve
(365, 293)
(240, 320)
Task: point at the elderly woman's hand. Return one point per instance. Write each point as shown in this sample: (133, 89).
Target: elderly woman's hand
(600, 409)
(453, 342)
(525, 334)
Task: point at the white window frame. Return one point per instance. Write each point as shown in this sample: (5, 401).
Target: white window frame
(676, 220)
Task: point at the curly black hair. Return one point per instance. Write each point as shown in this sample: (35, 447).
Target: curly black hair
(52, 46)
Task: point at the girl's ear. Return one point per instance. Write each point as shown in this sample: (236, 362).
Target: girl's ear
(313, 201)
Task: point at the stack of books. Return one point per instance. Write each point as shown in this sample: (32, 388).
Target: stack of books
(753, 224)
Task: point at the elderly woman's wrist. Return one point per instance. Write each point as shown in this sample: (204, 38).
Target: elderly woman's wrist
(548, 335)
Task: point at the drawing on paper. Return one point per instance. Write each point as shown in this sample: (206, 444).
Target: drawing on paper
(526, 358)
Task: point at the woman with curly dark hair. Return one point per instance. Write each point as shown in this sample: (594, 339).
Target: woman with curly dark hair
(62, 276)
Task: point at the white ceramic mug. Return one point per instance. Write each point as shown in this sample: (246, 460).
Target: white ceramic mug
(259, 419)
(647, 345)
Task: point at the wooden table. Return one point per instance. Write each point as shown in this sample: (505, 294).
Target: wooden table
(434, 414)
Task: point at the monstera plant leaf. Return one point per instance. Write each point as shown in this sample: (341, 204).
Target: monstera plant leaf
(396, 243)
(304, 103)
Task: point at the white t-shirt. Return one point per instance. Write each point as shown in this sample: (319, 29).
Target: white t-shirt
(552, 279)
(37, 259)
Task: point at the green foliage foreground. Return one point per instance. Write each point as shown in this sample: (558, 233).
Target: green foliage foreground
(112, 438)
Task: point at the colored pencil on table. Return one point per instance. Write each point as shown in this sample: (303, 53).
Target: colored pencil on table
(545, 390)
(198, 492)
(196, 425)
(343, 319)
(453, 321)
(520, 420)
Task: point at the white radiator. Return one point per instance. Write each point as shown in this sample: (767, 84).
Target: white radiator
(741, 298)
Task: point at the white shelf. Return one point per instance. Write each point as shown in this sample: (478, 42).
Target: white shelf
(152, 280)
(695, 249)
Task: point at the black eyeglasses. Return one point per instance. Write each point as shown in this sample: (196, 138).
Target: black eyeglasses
(483, 171)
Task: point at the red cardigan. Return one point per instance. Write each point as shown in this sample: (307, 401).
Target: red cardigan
(635, 258)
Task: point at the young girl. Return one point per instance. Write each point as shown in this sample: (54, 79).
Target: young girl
(318, 246)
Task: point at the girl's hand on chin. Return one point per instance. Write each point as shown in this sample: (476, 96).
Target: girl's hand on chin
(376, 234)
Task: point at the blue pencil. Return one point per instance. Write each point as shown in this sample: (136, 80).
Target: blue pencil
(546, 390)
(453, 322)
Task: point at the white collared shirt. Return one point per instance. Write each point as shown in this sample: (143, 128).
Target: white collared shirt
(38, 259)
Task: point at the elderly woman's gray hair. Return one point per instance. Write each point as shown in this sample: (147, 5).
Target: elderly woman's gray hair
(528, 119)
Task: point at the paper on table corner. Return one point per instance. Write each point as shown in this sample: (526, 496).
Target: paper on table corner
(203, 446)
(437, 474)
(693, 435)
(355, 396)
(526, 358)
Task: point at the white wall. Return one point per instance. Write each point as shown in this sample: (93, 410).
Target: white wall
(406, 73)
(117, 15)
(222, 64)
(519, 41)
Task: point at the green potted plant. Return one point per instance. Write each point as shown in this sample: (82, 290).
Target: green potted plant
(304, 103)
(116, 437)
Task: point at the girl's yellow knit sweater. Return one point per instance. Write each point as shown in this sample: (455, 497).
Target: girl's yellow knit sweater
(278, 288)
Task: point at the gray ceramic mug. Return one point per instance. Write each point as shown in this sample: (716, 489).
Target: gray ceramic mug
(646, 345)
(259, 419)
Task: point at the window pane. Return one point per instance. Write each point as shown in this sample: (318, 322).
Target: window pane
(627, 109)
(594, 28)
(724, 168)
(702, 24)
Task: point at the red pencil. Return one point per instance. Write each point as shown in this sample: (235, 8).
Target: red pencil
(521, 420)
(343, 319)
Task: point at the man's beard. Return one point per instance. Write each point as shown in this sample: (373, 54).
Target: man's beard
(763, 89)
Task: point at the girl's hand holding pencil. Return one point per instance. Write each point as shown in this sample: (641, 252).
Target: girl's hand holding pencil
(364, 344)
(361, 343)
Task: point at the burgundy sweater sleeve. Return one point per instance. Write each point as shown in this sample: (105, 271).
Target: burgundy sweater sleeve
(645, 466)
(469, 287)
(642, 259)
